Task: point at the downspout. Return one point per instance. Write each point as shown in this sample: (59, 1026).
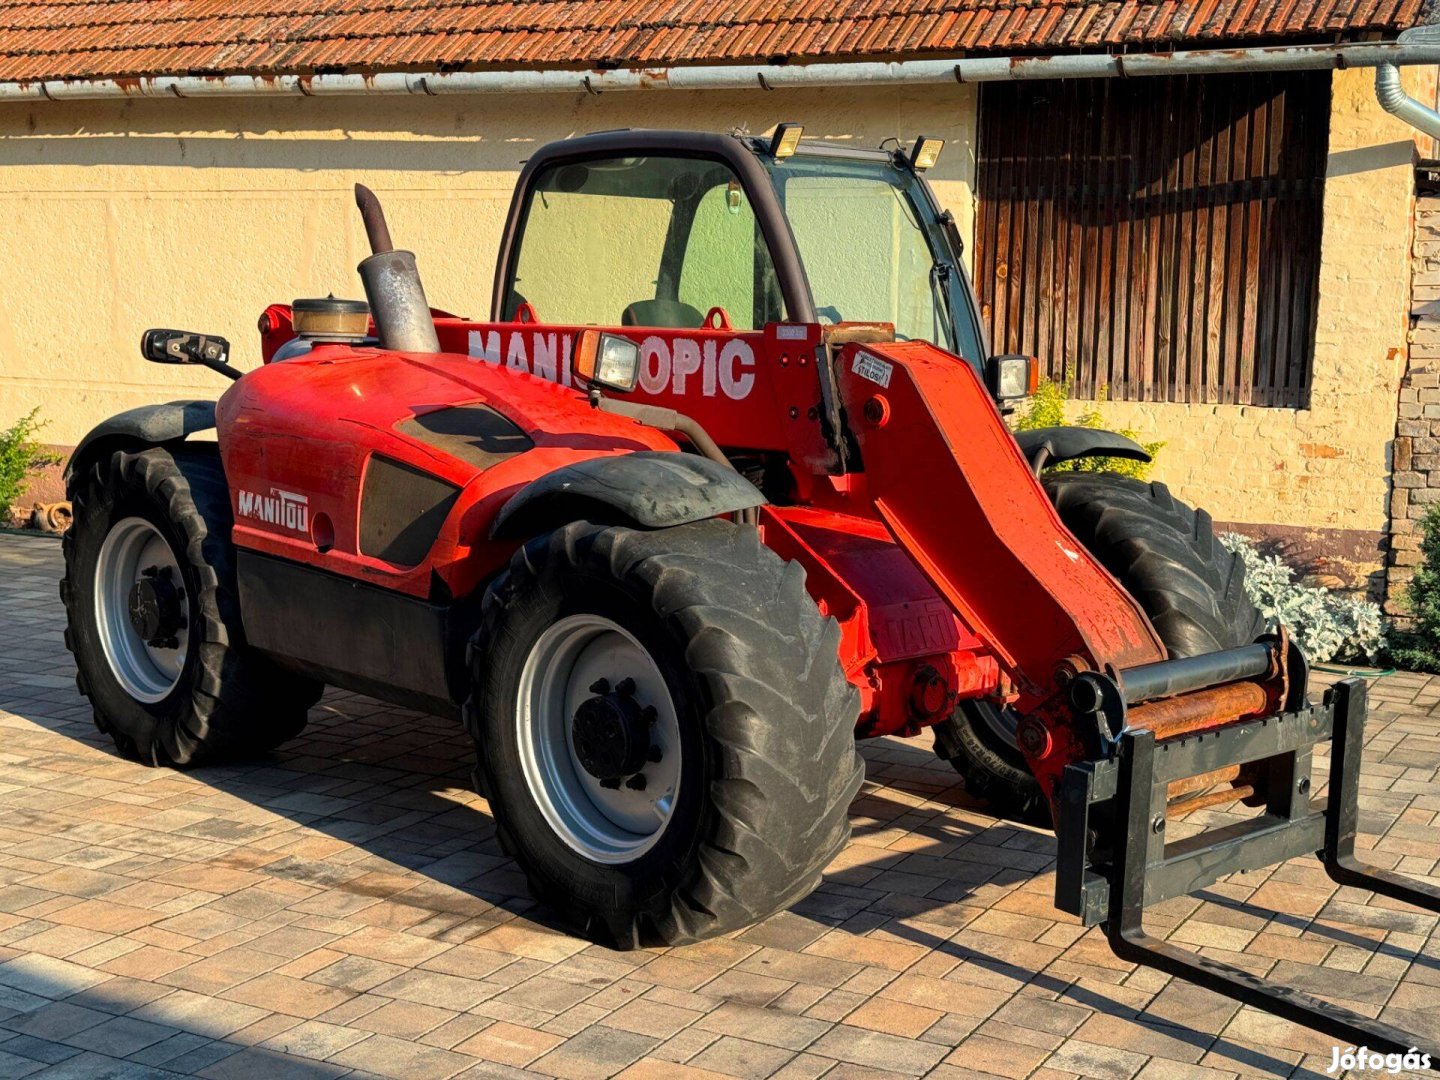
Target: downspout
(1397, 103)
(1391, 94)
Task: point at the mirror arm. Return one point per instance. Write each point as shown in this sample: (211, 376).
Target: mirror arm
(222, 367)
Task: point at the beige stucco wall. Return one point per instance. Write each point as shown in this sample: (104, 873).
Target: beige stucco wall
(1325, 468)
(120, 216)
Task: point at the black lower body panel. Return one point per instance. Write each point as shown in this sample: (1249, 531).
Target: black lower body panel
(360, 637)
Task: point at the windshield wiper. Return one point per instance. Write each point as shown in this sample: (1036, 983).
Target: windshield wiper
(940, 274)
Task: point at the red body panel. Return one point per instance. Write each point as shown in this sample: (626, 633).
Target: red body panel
(978, 523)
(943, 561)
(308, 427)
(749, 389)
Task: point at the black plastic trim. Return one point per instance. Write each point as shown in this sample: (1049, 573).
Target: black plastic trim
(402, 509)
(651, 489)
(148, 425)
(347, 633)
(1068, 443)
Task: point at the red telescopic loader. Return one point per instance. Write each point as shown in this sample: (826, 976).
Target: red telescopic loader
(722, 485)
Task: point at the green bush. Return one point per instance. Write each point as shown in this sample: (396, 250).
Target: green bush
(1328, 627)
(1418, 649)
(1047, 409)
(20, 456)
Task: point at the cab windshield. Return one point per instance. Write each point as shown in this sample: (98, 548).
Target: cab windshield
(670, 240)
(872, 248)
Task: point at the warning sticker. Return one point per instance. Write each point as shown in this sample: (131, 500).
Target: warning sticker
(868, 367)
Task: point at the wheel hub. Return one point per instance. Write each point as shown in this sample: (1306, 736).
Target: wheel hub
(141, 610)
(611, 732)
(155, 607)
(599, 738)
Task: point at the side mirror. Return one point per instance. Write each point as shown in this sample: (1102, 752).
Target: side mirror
(606, 361)
(187, 347)
(1011, 377)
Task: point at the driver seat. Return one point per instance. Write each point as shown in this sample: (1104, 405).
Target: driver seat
(670, 314)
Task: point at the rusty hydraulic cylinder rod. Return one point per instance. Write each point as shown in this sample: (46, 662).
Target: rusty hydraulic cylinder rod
(1209, 798)
(1200, 711)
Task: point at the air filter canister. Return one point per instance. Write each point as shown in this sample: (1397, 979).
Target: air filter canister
(330, 319)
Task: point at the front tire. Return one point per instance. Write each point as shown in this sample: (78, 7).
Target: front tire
(693, 659)
(153, 614)
(1166, 556)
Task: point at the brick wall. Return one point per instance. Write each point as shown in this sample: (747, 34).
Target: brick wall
(1417, 429)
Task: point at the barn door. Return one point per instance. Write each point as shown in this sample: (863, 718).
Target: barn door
(1156, 239)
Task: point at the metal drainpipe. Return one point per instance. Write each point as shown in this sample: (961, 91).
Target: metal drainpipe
(1413, 47)
(1394, 100)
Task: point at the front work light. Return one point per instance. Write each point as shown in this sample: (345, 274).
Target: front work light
(926, 152)
(1012, 377)
(785, 141)
(606, 360)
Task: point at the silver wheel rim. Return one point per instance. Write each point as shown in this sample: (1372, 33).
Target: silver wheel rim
(605, 825)
(132, 547)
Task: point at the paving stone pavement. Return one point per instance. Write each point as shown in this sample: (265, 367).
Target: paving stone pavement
(341, 907)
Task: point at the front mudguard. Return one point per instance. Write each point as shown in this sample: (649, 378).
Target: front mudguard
(146, 426)
(649, 489)
(1058, 444)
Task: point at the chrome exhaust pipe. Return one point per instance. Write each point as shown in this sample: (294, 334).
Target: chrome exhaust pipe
(392, 285)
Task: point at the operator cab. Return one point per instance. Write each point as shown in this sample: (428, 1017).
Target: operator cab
(684, 230)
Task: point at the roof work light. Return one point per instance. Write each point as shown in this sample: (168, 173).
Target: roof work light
(785, 141)
(926, 152)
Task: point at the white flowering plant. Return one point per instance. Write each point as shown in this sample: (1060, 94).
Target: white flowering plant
(1326, 626)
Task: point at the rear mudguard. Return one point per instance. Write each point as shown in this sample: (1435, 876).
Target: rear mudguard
(148, 425)
(652, 489)
(1068, 443)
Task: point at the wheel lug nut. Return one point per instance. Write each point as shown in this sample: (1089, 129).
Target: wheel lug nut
(636, 782)
(600, 686)
(626, 687)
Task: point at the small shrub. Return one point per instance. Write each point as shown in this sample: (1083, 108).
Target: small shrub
(1419, 649)
(1326, 626)
(20, 456)
(1047, 409)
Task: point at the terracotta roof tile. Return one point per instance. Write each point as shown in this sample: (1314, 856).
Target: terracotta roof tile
(131, 38)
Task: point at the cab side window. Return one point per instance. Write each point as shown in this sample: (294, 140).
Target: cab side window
(725, 257)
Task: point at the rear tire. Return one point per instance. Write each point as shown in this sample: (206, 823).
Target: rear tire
(753, 718)
(206, 697)
(1166, 556)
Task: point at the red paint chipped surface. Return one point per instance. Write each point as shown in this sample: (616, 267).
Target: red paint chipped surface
(136, 38)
